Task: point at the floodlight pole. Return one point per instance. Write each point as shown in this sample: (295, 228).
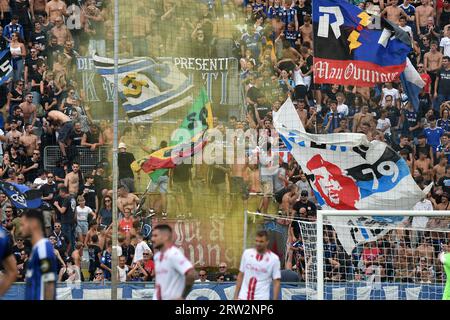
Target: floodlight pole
(115, 168)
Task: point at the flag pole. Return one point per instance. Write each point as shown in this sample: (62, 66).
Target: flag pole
(115, 169)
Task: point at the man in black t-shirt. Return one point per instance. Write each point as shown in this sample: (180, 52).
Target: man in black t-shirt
(302, 11)
(100, 181)
(180, 176)
(442, 85)
(75, 137)
(303, 210)
(404, 145)
(33, 166)
(48, 196)
(423, 147)
(31, 65)
(66, 207)
(39, 37)
(90, 195)
(126, 175)
(94, 256)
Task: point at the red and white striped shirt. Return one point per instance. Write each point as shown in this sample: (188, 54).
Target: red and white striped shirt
(171, 267)
(259, 271)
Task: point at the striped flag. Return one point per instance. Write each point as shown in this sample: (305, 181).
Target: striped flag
(197, 120)
(148, 88)
(412, 83)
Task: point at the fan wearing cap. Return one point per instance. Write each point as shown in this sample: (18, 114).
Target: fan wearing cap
(13, 132)
(41, 268)
(125, 159)
(303, 209)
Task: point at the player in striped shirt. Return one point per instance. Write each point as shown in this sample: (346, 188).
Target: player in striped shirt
(259, 268)
(174, 272)
(40, 277)
(8, 261)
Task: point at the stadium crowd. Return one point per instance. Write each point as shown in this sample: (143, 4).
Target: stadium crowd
(42, 105)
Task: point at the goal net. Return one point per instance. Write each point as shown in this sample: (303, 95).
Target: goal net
(365, 254)
(350, 255)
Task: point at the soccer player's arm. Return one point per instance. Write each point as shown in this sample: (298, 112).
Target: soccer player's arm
(276, 282)
(48, 277)
(183, 266)
(240, 277)
(9, 272)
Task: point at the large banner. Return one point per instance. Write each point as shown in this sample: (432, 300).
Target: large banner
(347, 172)
(147, 87)
(352, 47)
(206, 242)
(225, 291)
(146, 94)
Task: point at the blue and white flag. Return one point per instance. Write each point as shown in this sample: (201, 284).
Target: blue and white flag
(6, 67)
(21, 196)
(347, 172)
(148, 88)
(412, 84)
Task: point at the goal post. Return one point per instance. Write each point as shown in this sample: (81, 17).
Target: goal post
(360, 255)
(424, 243)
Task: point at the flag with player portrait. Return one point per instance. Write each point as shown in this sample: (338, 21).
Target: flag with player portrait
(347, 172)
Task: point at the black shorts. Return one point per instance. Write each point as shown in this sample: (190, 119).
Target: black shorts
(64, 131)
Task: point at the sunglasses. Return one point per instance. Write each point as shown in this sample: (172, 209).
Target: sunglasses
(145, 254)
(99, 274)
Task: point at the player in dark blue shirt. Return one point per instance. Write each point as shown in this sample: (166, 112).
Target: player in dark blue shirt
(8, 261)
(41, 268)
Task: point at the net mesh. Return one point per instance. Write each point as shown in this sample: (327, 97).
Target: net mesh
(364, 258)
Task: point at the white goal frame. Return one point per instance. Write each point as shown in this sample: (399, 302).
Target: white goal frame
(355, 213)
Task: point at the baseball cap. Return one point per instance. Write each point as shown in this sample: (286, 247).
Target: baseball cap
(122, 145)
(304, 193)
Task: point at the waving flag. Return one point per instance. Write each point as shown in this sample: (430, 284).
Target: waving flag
(198, 119)
(147, 87)
(6, 67)
(347, 172)
(21, 196)
(412, 83)
(352, 47)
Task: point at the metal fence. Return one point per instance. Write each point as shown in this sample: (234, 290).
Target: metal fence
(87, 158)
